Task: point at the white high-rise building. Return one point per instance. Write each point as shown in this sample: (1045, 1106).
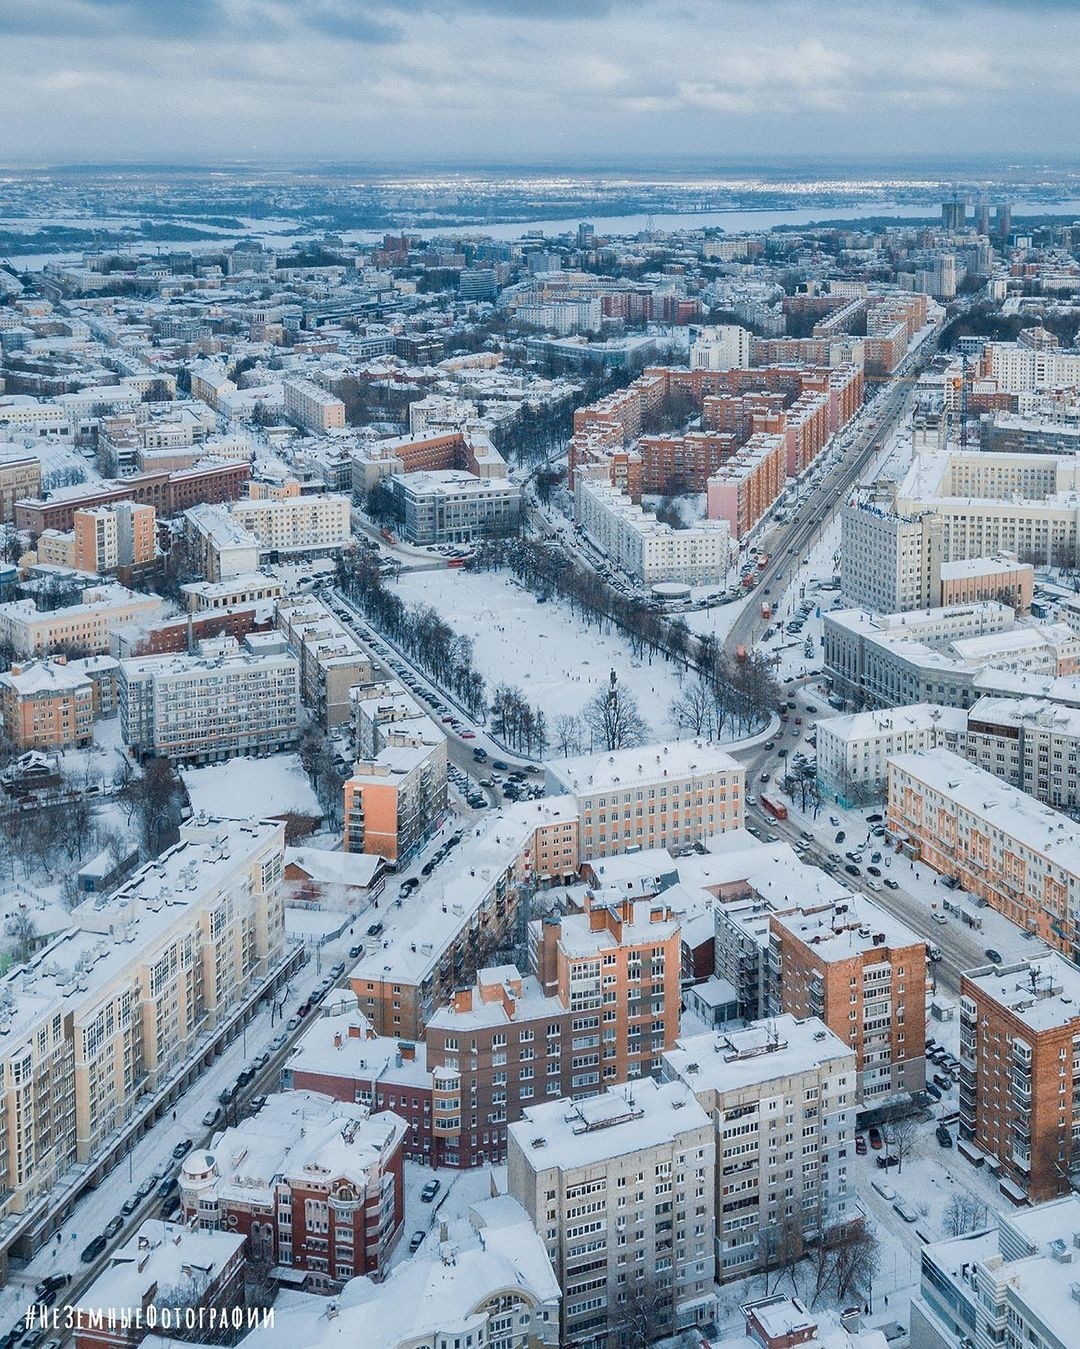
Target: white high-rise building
(724, 346)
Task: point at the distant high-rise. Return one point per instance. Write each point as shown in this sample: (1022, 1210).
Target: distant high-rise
(982, 223)
(1004, 221)
(585, 236)
(953, 214)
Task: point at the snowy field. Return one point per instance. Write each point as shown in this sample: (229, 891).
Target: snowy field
(269, 786)
(543, 649)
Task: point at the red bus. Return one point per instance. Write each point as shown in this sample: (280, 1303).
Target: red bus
(776, 809)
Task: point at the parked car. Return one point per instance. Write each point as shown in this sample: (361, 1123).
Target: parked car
(993, 956)
(933, 1092)
(211, 1117)
(261, 1060)
(891, 884)
(51, 1283)
(943, 1136)
(886, 1160)
(182, 1149)
(292, 1023)
(375, 930)
(94, 1249)
(355, 952)
(113, 1227)
(860, 1144)
(416, 1242)
(145, 1187)
(278, 1042)
(884, 1189)
(873, 870)
(430, 1190)
(407, 887)
(852, 869)
(166, 1187)
(874, 1134)
(873, 885)
(905, 1211)
(128, 1207)
(256, 1104)
(945, 1083)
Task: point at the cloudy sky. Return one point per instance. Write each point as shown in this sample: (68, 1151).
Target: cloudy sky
(534, 79)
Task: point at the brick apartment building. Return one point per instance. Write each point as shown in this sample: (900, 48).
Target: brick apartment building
(1020, 1072)
(313, 1183)
(863, 973)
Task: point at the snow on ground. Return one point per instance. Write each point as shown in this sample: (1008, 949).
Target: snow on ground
(543, 649)
(460, 1190)
(269, 786)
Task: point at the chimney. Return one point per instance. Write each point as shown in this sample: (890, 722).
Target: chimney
(338, 1040)
(408, 1051)
(463, 999)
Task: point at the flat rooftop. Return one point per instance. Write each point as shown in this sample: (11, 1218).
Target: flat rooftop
(624, 1120)
(649, 764)
(1044, 993)
(765, 1051)
(845, 928)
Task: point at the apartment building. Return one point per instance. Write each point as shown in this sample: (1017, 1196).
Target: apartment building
(723, 346)
(863, 972)
(617, 966)
(20, 476)
(332, 661)
(221, 548)
(1009, 1283)
(315, 1185)
(659, 796)
(1021, 367)
(889, 563)
(113, 1015)
(780, 1096)
(224, 700)
(169, 493)
(47, 704)
(160, 1256)
(453, 506)
(751, 481)
(315, 525)
(994, 840)
(621, 1190)
(674, 464)
(1032, 743)
(853, 751)
(429, 950)
(484, 1279)
(77, 629)
(310, 406)
(1020, 1072)
(396, 801)
(109, 537)
(599, 1006)
(643, 547)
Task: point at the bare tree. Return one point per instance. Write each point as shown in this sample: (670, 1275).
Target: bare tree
(22, 929)
(613, 719)
(645, 1314)
(566, 734)
(963, 1213)
(900, 1132)
(781, 1246)
(694, 709)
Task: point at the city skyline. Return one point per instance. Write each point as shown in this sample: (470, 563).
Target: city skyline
(259, 79)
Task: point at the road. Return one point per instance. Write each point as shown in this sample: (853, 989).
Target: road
(962, 948)
(791, 542)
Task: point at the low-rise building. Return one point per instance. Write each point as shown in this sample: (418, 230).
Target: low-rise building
(313, 1183)
(310, 406)
(1009, 1283)
(609, 1183)
(453, 506)
(658, 796)
(780, 1095)
(482, 1280)
(1032, 743)
(162, 1265)
(77, 629)
(853, 750)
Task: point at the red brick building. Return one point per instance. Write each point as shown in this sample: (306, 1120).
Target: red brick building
(315, 1184)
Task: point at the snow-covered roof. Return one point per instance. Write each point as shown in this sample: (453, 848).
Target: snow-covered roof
(766, 1051)
(624, 768)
